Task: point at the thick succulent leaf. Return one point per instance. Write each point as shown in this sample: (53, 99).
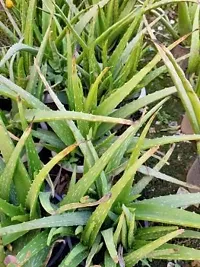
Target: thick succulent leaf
(101, 212)
(89, 178)
(109, 241)
(75, 256)
(194, 50)
(34, 162)
(175, 201)
(32, 196)
(68, 219)
(21, 176)
(17, 48)
(60, 128)
(133, 257)
(164, 214)
(41, 115)
(129, 109)
(35, 246)
(180, 253)
(154, 232)
(7, 175)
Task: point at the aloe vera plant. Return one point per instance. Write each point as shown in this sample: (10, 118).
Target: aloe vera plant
(75, 76)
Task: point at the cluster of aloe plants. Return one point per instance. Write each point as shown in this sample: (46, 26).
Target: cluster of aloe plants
(72, 73)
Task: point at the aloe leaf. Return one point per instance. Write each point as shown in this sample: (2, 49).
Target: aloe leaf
(9, 209)
(123, 42)
(91, 100)
(48, 115)
(91, 13)
(194, 50)
(86, 148)
(68, 219)
(164, 214)
(8, 32)
(142, 183)
(61, 231)
(109, 241)
(117, 190)
(7, 175)
(190, 234)
(75, 256)
(33, 193)
(49, 137)
(39, 259)
(48, 7)
(118, 230)
(101, 212)
(44, 198)
(160, 141)
(154, 232)
(78, 98)
(188, 97)
(184, 21)
(94, 250)
(164, 2)
(72, 206)
(154, 173)
(108, 261)
(72, 29)
(35, 246)
(180, 253)
(17, 48)
(134, 106)
(60, 128)
(81, 187)
(108, 105)
(69, 88)
(31, 86)
(133, 257)
(89, 178)
(175, 201)
(2, 165)
(28, 31)
(121, 23)
(34, 162)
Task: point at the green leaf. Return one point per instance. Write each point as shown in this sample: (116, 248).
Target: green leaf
(68, 219)
(15, 49)
(45, 115)
(28, 31)
(75, 256)
(34, 162)
(154, 232)
(187, 95)
(109, 241)
(101, 212)
(180, 253)
(61, 231)
(89, 178)
(108, 261)
(31, 86)
(164, 214)
(9, 209)
(7, 175)
(184, 21)
(91, 13)
(32, 196)
(60, 128)
(194, 49)
(133, 257)
(35, 246)
(175, 201)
